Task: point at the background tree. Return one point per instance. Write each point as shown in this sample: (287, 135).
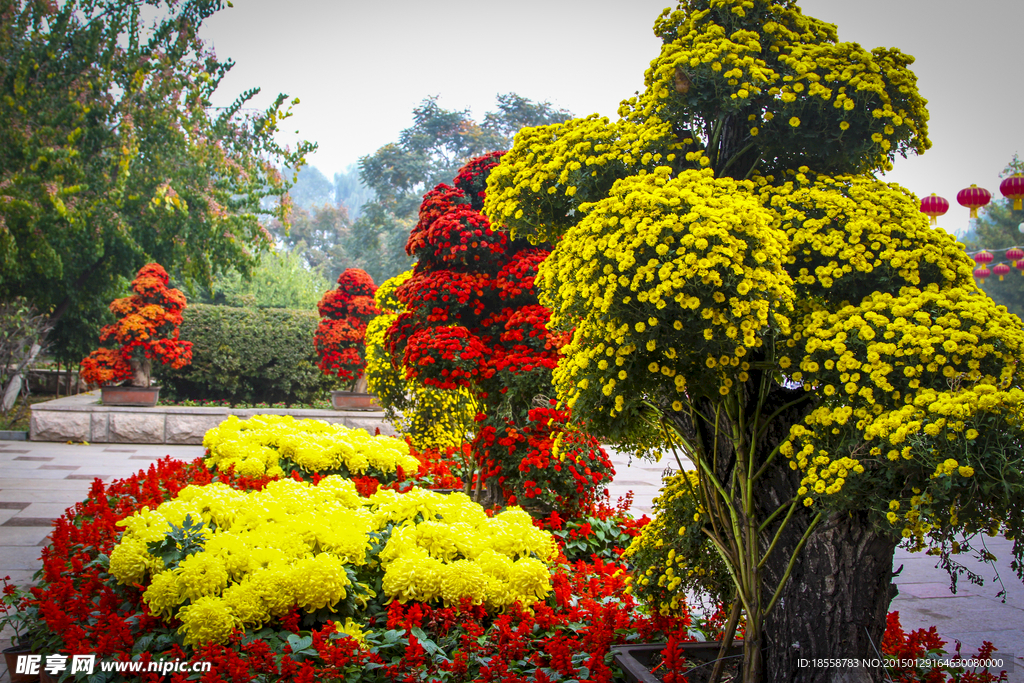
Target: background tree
(742, 291)
(281, 279)
(998, 227)
(21, 329)
(350, 192)
(321, 235)
(429, 152)
(311, 188)
(111, 156)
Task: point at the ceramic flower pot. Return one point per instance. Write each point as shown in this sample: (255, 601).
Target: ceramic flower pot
(11, 657)
(637, 661)
(140, 397)
(351, 400)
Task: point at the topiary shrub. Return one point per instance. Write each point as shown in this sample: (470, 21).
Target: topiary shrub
(147, 330)
(247, 355)
(340, 337)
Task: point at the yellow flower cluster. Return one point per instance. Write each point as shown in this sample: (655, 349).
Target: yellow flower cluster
(926, 362)
(458, 552)
(383, 379)
(672, 555)
(787, 75)
(437, 418)
(295, 544)
(264, 552)
(666, 280)
(386, 297)
(263, 443)
(551, 170)
(847, 233)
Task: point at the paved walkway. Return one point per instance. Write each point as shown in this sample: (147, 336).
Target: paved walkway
(38, 480)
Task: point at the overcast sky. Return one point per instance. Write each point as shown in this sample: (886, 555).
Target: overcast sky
(359, 68)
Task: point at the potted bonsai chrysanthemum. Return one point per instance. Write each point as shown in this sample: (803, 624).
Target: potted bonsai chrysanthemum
(340, 337)
(148, 329)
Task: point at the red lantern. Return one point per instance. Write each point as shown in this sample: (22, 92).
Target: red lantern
(974, 198)
(1020, 266)
(982, 257)
(1015, 254)
(1001, 269)
(981, 273)
(933, 205)
(1013, 188)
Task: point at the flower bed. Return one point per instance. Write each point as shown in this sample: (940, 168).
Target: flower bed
(284, 573)
(283, 579)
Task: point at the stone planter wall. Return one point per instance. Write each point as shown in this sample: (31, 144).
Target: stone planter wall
(83, 418)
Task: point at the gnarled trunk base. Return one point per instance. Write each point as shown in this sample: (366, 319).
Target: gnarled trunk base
(833, 607)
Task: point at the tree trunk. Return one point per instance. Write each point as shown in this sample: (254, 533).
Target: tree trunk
(834, 604)
(837, 595)
(13, 387)
(142, 370)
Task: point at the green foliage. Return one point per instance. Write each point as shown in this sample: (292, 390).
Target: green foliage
(429, 152)
(248, 355)
(322, 235)
(180, 542)
(281, 279)
(111, 155)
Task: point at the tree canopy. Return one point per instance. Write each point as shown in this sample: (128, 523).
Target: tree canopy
(281, 279)
(111, 155)
(742, 290)
(428, 153)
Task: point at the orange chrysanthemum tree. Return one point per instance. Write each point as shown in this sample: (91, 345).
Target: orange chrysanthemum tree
(341, 336)
(148, 329)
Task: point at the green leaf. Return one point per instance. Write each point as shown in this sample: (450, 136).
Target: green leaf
(298, 644)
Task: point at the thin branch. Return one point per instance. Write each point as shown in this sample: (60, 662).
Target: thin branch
(792, 562)
(778, 534)
(806, 396)
(735, 157)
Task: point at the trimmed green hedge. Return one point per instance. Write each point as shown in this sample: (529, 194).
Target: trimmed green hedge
(248, 355)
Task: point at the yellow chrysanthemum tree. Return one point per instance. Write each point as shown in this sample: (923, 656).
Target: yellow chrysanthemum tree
(743, 292)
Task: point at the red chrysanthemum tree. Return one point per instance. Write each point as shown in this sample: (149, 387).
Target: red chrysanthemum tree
(473, 320)
(148, 329)
(340, 337)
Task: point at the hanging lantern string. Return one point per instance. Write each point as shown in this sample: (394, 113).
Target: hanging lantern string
(991, 251)
(984, 256)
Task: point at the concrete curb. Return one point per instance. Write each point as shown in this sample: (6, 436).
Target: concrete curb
(82, 418)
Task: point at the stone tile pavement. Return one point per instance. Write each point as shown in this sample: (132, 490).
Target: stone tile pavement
(38, 480)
